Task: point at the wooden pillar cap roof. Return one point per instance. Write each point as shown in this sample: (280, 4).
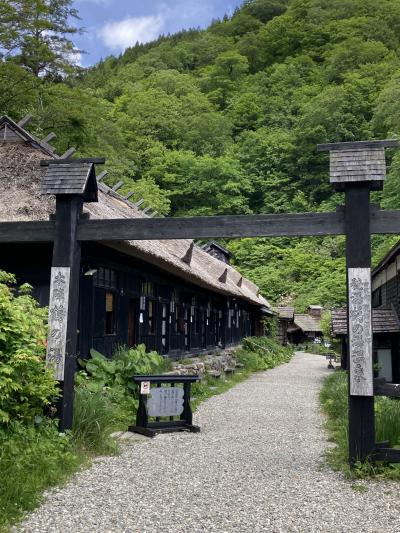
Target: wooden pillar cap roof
(71, 177)
(357, 162)
(358, 145)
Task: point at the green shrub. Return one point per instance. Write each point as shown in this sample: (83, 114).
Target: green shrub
(26, 386)
(32, 458)
(111, 380)
(261, 353)
(100, 371)
(318, 349)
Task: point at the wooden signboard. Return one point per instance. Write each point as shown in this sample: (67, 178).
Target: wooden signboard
(360, 332)
(168, 402)
(58, 314)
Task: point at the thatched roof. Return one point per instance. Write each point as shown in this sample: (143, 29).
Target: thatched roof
(21, 178)
(307, 323)
(284, 313)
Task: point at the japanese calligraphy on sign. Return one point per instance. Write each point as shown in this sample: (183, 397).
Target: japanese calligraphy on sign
(360, 332)
(58, 314)
(165, 401)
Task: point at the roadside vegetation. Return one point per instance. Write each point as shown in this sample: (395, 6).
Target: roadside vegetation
(334, 402)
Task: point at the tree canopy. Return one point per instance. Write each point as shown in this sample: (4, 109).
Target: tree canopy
(34, 34)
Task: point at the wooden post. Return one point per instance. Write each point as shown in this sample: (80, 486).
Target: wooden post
(357, 168)
(358, 259)
(64, 303)
(72, 182)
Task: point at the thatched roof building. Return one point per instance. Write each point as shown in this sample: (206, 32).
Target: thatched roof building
(21, 199)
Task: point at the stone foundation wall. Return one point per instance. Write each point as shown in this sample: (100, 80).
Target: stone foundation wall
(215, 364)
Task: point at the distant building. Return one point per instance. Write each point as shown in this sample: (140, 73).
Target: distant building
(306, 327)
(385, 314)
(218, 251)
(297, 328)
(385, 318)
(385, 328)
(285, 317)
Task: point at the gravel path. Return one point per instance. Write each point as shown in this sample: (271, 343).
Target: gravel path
(256, 466)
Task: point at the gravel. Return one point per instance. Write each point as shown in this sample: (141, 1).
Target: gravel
(256, 466)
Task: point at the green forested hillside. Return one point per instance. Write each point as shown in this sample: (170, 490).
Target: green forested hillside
(226, 121)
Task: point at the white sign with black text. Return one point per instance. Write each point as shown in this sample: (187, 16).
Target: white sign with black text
(58, 318)
(145, 387)
(360, 332)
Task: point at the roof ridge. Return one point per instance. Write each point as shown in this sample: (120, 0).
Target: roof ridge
(5, 119)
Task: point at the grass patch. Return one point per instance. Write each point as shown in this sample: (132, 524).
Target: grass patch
(94, 421)
(334, 400)
(32, 459)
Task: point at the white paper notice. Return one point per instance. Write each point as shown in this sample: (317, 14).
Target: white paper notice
(145, 387)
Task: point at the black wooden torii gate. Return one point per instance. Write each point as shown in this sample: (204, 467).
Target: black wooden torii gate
(356, 169)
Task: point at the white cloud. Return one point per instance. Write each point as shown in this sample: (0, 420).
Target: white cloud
(76, 57)
(121, 34)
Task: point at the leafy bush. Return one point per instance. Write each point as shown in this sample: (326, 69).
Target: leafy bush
(261, 353)
(100, 371)
(318, 349)
(108, 387)
(32, 458)
(26, 386)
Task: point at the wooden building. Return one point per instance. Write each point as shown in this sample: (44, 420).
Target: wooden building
(385, 318)
(285, 316)
(173, 295)
(306, 327)
(217, 250)
(386, 337)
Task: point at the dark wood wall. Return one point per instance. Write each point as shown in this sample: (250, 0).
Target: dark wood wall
(386, 296)
(125, 301)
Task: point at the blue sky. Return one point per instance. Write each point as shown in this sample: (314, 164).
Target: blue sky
(113, 25)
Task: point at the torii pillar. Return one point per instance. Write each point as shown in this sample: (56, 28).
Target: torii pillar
(73, 182)
(356, 168)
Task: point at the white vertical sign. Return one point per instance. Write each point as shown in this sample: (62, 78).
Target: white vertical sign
(58, 318)
(360, 332)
